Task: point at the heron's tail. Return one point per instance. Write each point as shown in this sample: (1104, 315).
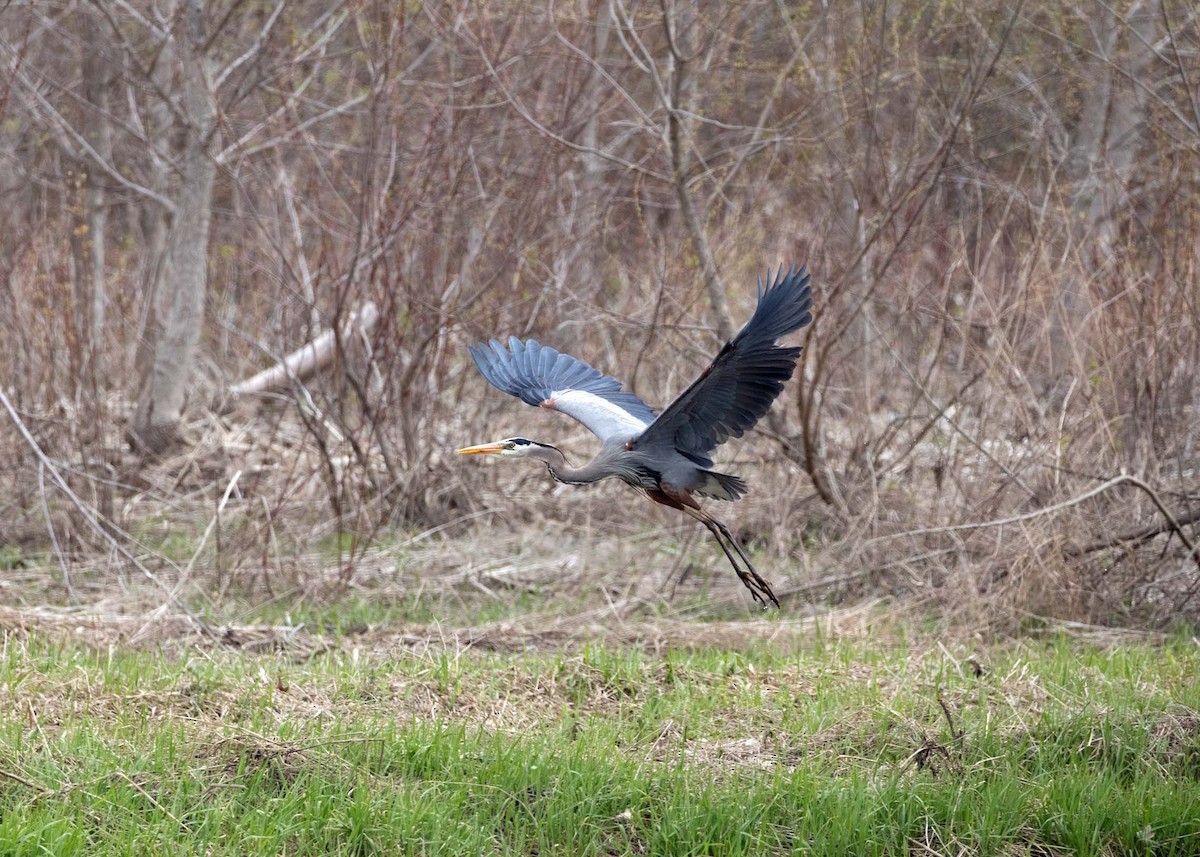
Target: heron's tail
(720, 486)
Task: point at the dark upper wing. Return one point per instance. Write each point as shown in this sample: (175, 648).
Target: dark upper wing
(541, 376)
(745, 377)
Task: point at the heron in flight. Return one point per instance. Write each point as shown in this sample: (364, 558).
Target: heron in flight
(667, 456)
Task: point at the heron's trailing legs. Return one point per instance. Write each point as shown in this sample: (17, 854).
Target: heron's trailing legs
(750, 576)
(759, 588)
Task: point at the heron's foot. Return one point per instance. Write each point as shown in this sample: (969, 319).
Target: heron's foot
(758, 587)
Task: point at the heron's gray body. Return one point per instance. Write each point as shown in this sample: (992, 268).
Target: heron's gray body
(651, 469)
(667, 455)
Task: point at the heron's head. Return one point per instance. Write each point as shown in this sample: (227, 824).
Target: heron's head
(513, 447)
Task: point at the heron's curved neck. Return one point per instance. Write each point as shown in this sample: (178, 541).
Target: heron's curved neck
(561, 470)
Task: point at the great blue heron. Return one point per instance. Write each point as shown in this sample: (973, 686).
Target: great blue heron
(667, 455)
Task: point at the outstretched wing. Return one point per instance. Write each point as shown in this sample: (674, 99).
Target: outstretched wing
(540, 376)
(745, 377)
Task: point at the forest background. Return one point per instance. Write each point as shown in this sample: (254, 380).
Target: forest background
(995, 419)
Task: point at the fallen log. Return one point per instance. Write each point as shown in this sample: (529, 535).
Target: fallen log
(310, 359)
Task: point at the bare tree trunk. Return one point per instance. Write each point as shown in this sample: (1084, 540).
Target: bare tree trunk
(602, 26)
(97, 83)
(1100, 160)
(88, 240)
(155, 218)
(160, 404)
(679, 29)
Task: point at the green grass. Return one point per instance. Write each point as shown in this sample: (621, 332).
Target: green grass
(837, 749)
(356, 614)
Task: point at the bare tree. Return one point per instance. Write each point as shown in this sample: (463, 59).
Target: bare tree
(91, 208)
(1101, 155)
(181, 306)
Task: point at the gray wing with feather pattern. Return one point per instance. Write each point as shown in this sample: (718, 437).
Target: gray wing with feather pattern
(540, 376)
(745, 377)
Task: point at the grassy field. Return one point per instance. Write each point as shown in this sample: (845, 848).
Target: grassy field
(367, 744)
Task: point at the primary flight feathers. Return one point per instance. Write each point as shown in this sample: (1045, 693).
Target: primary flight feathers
(745, 377)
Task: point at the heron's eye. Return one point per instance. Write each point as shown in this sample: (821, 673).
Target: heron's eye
(508, 444)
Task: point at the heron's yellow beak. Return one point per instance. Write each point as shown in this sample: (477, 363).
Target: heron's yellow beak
(482, 449)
